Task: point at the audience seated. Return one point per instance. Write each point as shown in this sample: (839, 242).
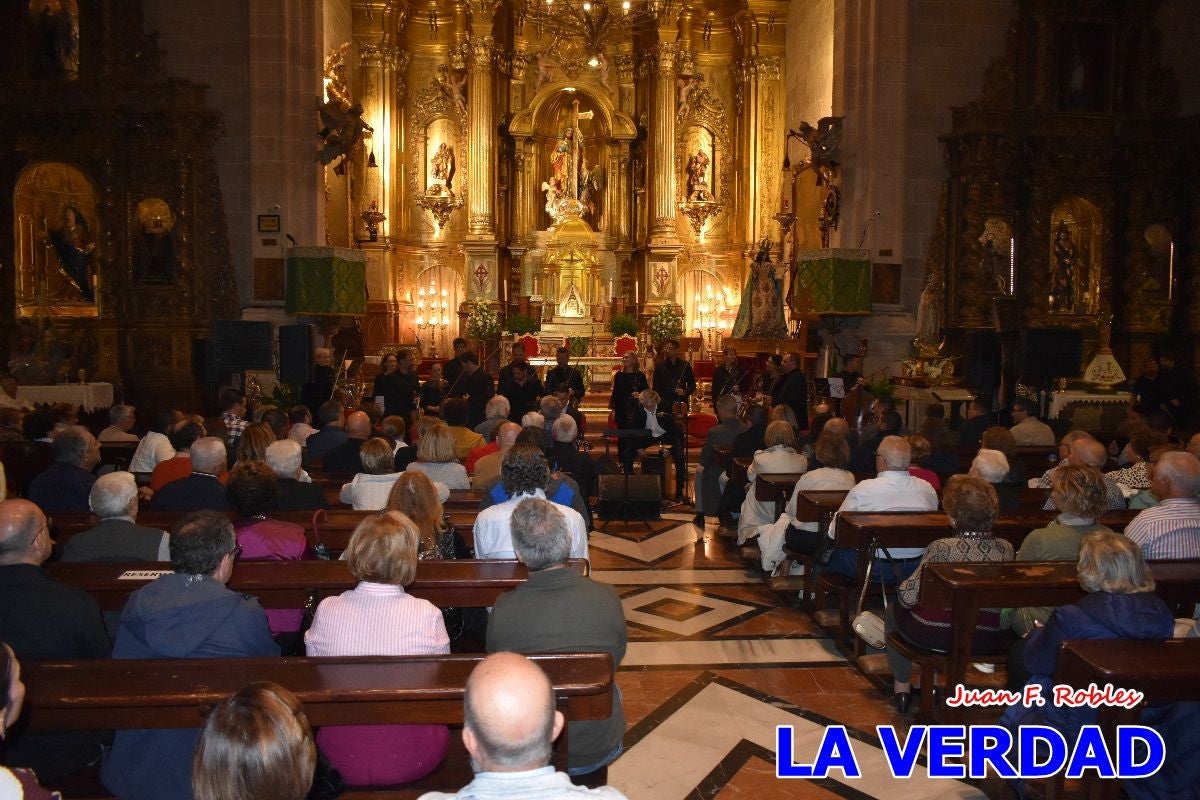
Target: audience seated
(561, 488)
(863, 460)
(420, 499)
(436, 457)
(332, 416)
(1028, 430)
(779, 455)
(188, 613)
(369, 489)
(393, 429)
(255, 745)
(1064, 454)
(344, 457)
(1079, 494)
(565, 456)
(558, 610)
(480, 451)
(943, 442)
(1000, 438)
(832, 452)
(707, 488)
(524, 473)
(66, 483)
(254, 494)
(454, 414)
(301, 427)
(487, 468)
(183, 435)
(297, 491)
(979, 419)
(17, 783)
(41, 618)
(510, 725)
(971, 506)
(1090, 453)
(377, 618)
(745, 445)
(203, 489)
(277, 421)
(1120, 604)
(1134, 474)
(121, 420)
(253, 443)
(921, 452)
(11, 421)
(562, 393)
(497, 412)
(233, 414)
(1171, 529)
(117, 537)
(992, 466)
(893, 490)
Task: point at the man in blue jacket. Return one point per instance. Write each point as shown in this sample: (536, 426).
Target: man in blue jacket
(187, 614)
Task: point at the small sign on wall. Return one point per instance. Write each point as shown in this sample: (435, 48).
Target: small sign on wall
(268, 223)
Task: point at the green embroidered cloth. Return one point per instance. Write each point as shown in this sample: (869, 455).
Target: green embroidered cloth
(832, 281)
(326, 280)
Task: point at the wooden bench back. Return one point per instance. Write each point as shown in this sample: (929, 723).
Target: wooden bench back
(293, 584)
(1165, 672)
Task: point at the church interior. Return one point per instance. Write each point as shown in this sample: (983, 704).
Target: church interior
(994, 199)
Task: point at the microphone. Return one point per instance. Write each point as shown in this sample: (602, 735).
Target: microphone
(867, 226)
(290, 238)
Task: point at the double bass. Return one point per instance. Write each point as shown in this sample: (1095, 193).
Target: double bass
(856, 405)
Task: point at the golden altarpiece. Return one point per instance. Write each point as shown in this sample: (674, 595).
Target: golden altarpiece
(116, 258)
(1074, 190)
(565, 158)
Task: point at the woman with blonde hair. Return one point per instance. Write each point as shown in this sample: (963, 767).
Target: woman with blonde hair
(253, 443)
(378, 618)
(415, 496)
(437, 458)
(779, 455)
(368, 490)
(255, 745)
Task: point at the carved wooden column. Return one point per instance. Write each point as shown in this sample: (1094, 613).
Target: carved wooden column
(662, 140)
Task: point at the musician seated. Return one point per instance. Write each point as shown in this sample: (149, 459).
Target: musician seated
(661, 429)
(708, 484)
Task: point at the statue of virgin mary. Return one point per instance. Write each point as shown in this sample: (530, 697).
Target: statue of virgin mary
(761, 313)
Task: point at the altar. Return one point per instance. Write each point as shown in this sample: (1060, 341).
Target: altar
(90, 396)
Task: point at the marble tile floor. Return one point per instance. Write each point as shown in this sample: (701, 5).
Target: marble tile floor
(715, 662)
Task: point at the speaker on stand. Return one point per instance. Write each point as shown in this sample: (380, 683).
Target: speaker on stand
(295, 354)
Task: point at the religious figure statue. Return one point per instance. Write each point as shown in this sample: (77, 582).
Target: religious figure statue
(602, 68)
(591, 181)
(992, 265)
(443, 168)
(762, 316)
(73, 244)
(928, 341)
(1066, 263)
(454, 86)
(697, 184)
(825, 145)
(154, 253)
(560, 162)
(344, 128)
(58, 28)
(572, 304)
(685, 84)
(567, 173)
(545, 70)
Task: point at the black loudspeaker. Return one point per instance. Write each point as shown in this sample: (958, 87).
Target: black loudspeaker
(239, 344)
(1052, 352)
(640, 497)
(983, 361)
(295, 354)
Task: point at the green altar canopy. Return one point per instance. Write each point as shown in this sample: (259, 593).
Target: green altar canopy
(326, 280)
(832, 281)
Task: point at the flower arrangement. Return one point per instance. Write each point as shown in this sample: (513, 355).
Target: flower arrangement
(623, 324)
(482, 323)
(666, 324)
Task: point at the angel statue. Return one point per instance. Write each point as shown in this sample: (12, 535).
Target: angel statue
(344, 128)
(443, 168)
(591, 182)
(825, 145)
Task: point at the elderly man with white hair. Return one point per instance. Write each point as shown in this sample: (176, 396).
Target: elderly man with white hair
(66, 483)
(299, 493)
(203, 489)
(565, 456)
(992, 466)
(117, 537)
(121, 419)
(487, 468)
(893, 489)
(497, 412)
(1171, 529)
(1088, 452)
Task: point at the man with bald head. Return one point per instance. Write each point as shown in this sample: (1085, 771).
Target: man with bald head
(1087, 452)
(41, 618)
(344, 457)
(66, 483)
(1171, 529)
(487, 468)
(510, 726)
(893, 489)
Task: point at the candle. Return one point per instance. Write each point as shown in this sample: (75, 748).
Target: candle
(636, 291)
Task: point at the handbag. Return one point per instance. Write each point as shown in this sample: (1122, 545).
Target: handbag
(868, 625)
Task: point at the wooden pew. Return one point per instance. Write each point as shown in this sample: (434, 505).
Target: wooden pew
(966, 588)
(295, 584)
(899, 529)
(811, 506)
(127, 694)
(1033, 461)
(775, 487)
(1165, 672)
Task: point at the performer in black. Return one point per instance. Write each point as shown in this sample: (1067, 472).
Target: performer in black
(627, 385)
(727, 377)
(851, 374)
(792, 389)
(673, 378)
(523, 390)
(434, 391)
(565, 373)
(506, 372)
(660, 427)
(475, 385)
(453, 368)
(397, 384)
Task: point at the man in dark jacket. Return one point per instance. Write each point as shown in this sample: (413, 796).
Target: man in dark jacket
(41, 618)
(202, 490)
(117, 537)
(792, 389)
(673, 378)
(979, 419)
(331, 415)
(660, 428)
(523, 390)
(708, 475)
(65, 484)
(284, 457)
(475, 385)
(187, 614)
(344, 458)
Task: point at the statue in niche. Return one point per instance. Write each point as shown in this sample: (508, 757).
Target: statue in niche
(58, 36)
(545, 70)
(697, 183)
(73, 244)
(443, 170)
(591, 181)
(560, 163)
(154, 260)
(1066, 269)
(928, 341)
(762, 317)
(993, 265)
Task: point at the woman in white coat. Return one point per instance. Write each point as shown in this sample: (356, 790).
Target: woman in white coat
(779, 456)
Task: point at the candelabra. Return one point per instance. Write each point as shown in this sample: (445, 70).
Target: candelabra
(709, 322)
(436, 304)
